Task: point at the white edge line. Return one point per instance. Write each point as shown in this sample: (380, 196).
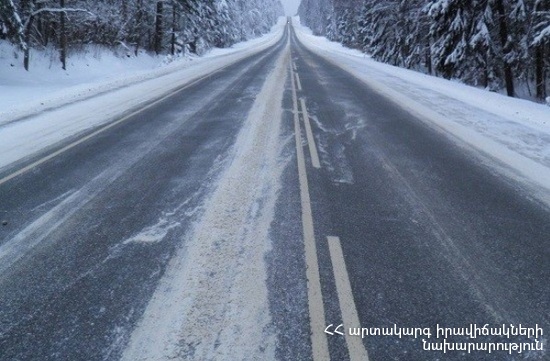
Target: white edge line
(319, 342)
(310, 139)
(356, 348)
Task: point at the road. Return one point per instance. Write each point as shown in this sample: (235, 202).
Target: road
(242, 215)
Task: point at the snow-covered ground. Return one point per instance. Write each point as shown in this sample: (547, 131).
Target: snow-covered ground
(46, 80)
(46, 105)
(516, 132)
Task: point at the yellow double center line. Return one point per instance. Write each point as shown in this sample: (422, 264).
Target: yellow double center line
(319, 342)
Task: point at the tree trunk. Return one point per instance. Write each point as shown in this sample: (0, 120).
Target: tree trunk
(429, 57)
(40, 26)
(124, 11)
(62, 36)
(174, 22)
(26, 55)
(508, 74)
(486, 72)
(158, 28)
(139, 16)
(539, 72)
(26, 10)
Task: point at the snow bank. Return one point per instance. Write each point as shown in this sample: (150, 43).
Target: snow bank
(46, 80)
(45, 110)
(516, 132)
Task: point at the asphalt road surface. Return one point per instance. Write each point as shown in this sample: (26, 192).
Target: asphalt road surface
(379, 221)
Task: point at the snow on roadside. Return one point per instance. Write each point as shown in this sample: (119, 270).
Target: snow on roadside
(516, 132)
(77, 109)
(47, 83)
(46, 86)
(212, 302)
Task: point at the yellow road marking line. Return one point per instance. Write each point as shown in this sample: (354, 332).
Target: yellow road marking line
(298, 82)
(310, 139)
(356, 348)
(319, 341)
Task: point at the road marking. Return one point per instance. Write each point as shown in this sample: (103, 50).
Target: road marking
(104, 128)
(319, 343)
(310, 139)
(298, 82)
(356, 348)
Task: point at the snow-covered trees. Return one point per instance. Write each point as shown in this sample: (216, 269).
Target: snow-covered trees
(393, 31)
(12, 26)
(154, 25)
(317, 15)
(498, 44)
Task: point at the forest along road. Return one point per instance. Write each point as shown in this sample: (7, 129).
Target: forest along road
(238, 218)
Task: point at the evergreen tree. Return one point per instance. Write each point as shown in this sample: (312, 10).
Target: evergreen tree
(161, 26)
(492, 43)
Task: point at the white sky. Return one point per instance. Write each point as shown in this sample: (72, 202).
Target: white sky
(291, 6)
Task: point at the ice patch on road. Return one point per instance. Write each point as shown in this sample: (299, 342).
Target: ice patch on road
(212, 303)
(333, 158)
(157, 232)
(42, 228)
(66, 205)
(53, 201)
(153, 234)
(333, 152)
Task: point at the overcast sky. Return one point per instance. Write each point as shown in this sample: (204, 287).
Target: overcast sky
(291, 6)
